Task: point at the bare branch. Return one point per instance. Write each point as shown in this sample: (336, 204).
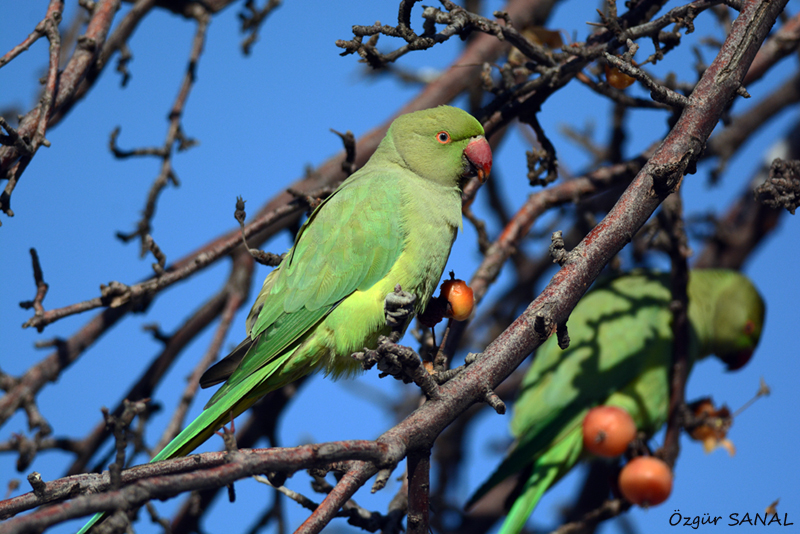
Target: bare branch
(12, 161)
(671, 218)
(41, 287)
(252, 22)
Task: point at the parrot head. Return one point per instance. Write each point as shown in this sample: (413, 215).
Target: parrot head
(443, 144)
(738, 320)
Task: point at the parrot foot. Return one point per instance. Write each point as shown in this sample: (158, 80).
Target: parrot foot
(228, 436)
(399, 362)
(399, 308)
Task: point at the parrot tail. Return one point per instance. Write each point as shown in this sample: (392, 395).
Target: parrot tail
(211, 419)
(548, 468)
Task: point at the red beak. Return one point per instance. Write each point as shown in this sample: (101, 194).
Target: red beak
(479, 154)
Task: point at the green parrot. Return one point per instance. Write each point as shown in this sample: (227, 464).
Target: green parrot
(391, 222)
(620, 354)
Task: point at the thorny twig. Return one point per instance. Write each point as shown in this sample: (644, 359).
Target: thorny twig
(27, 141)
(231, 293)
(349, 142)
(252, 21)
(175, 135)
(236, 297)
(120, 425)
(41, 287)
(264, 258)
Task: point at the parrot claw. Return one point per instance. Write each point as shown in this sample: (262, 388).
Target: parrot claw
(401, 363)
(228, 436)
(392, 359)
(399, 308)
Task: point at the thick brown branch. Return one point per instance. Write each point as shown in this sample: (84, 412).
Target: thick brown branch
(482, 49)
(356, 477)
(419, 467)
(74, 73)
(169, 478)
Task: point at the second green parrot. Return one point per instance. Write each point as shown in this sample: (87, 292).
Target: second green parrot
(620, 354)
(391, 222)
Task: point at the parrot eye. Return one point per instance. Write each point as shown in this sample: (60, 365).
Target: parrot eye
(443, 137)
(749, 327)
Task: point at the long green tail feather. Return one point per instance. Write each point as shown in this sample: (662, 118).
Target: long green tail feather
(549, 467)
(526, 502)
(209, 421)
(531, 445)
(391, 222)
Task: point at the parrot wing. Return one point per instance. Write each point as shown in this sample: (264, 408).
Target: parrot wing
(350, 245)
(618, 332)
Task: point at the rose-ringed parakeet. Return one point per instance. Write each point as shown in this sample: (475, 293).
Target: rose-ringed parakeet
(390, 223)
(620, 354)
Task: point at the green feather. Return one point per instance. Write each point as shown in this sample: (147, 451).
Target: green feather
(392, 222)
(549, 468)
(620, 354)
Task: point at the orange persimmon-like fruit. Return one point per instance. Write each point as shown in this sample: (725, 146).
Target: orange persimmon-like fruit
(607, 431)
(459, 296)
(646, 481)
(618, 79)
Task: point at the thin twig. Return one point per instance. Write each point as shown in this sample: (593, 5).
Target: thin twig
(671, 217)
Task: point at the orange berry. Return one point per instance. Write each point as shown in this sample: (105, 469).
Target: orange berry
(607, 431)
(459, 296)
(646, 481)
(618, 79)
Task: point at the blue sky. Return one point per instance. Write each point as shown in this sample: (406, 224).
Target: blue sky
(260, 121)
